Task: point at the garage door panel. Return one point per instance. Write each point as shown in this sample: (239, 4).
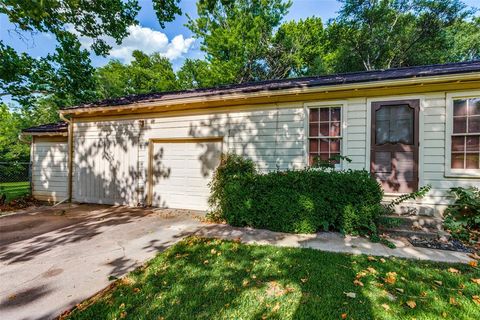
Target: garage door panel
(181, 173)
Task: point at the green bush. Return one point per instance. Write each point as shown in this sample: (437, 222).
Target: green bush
(303, 201)
(462, 217)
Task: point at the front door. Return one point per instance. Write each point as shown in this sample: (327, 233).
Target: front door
(394, 145)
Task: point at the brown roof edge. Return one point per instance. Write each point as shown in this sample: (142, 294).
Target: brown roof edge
(293, 83)
(50, 128)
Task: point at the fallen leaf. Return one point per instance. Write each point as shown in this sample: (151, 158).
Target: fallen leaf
(371, 258)
(213, 251)
(399, 290)
(372, 270)
(444, 314)
(276, 307)
(13, 296)
(423, 294)
(136, 290)
(391, 277)
(122, 306)
(474, 256)
(382, 260)
(352, 295)
(438, 282)
(205, 262)
(473, 263)
(358, 283)
(123, 314)
(386, 306)
(453, 270)
(254, 276)
(475, 280)
(361, 274)
(476, 299)
(344, 316)
(304, 280)
(453, 301)
(412, 304)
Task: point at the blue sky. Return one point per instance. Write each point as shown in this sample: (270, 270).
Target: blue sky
(175, 41)
(176, 50)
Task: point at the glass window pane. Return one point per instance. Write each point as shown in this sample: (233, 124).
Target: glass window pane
(474, 106)
(473, 143)
(394, 124)
(460, 125)
(335, 129)
(325, 114)
(335, 114)
(474, 124)
(313, 145)
(314, 129)
(313, 115)
(457, 161)
(471, 161)
(458, 143)
(324, 156)
(324, 147)
(335, 145)
(324, 130)
(460, 107)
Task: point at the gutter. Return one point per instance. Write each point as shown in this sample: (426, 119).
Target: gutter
(70, 155)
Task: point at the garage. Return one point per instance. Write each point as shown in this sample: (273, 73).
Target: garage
(180, 170)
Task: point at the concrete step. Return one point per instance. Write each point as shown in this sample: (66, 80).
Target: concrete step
(412, 226)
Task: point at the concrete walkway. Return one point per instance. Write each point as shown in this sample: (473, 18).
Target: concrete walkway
(53, 258)
(330, 241)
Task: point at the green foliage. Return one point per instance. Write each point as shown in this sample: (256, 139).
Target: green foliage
(145, 74)
(236, 36)
(303, 201)
(462, 217)
(379, 34)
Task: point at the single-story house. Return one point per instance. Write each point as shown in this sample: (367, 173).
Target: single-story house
(409, 127)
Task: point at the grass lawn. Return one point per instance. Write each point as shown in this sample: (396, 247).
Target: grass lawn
(14, 190)
(214, 279)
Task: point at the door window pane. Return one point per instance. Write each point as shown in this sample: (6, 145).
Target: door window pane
(394, 124)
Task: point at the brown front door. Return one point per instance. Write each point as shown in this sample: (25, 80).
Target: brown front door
(394, 145)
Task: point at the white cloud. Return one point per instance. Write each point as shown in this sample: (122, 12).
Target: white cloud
(146, 40)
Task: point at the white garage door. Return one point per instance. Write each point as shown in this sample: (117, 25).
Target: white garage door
(182, 171)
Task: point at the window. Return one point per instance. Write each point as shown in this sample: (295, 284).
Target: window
(324, 133)
(465, 134)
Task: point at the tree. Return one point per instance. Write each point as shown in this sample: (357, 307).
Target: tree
(298, 49)
(378, 34)
(236, 36)
(145, 74)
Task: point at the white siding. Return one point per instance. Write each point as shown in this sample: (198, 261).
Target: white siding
(49, 169)
(111, 157)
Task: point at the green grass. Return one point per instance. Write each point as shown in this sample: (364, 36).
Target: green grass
(14, 190)
(213, 279)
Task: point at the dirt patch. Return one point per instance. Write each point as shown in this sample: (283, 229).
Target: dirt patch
(19, 204)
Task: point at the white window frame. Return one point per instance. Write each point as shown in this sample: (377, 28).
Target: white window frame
(449, 172)
(343, 130)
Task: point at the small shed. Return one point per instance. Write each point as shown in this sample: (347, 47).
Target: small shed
(49, 161)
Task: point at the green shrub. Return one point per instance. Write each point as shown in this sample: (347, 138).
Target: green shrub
(303, 201)
(462, 217)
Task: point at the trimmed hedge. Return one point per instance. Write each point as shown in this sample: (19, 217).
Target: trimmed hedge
(303, 201)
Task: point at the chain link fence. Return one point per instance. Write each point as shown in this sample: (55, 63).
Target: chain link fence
(15, 180)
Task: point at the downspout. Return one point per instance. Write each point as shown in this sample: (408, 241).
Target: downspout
(70, 155)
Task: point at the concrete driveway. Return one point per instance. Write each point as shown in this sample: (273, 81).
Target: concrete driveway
(53, 258)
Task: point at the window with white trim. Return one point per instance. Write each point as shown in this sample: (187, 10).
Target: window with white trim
(465, 135)
(324, 133)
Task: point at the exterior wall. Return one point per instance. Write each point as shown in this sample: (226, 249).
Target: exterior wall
(111, 157)
(49, 168)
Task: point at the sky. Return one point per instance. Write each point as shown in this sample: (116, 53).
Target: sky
(175, 41)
